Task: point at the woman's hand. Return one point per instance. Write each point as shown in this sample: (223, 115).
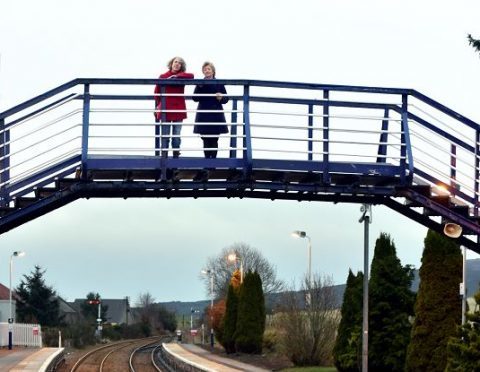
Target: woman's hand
(219, 96)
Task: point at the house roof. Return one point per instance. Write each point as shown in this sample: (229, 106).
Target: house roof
(5, 293)
(117, 309)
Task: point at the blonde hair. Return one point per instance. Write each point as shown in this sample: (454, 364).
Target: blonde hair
(183, 65)
(205, 64)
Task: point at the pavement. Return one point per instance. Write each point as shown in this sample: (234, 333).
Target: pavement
(33, 359)
(212, 362)
(26, 359)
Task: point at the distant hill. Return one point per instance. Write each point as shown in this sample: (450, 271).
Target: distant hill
(472, 273)
(185, 308)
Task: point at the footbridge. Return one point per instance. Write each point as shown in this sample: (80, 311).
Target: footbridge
(297, 141)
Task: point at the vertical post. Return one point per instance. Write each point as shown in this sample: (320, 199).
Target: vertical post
(5, 153)
(247, 141)
(464, 289)
(158, 133)
(211, 310)
(163, 118)
(309, 261)
(191, 318)
(85, 129)
(476, 177)
(234, 130)
(310, 132)
(127, 309)
(10, 320)
(241, 270)
(406, 147)
(326, 144)
(453, 169)
(382, 146)
(366, 219)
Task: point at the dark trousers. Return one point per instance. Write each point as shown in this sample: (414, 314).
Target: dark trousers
(210, 143)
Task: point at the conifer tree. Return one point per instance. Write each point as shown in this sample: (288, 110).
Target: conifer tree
(251, 315)
(474, 43)
(390, 305)
(230, 320)
(464, 350)
(39, 303)
(438, 307)
(348, 344)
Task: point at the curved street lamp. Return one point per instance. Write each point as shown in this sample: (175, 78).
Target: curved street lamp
(303, 234)
(11, 319)
(210, 273)
(233, 257)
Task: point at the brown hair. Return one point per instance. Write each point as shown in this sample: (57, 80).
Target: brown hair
(183, 66)
(205, 64)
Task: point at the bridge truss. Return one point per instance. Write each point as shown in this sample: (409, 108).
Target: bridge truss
(296, 141)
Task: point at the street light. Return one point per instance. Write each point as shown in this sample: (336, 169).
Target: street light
(210, 273)
(303, 234)
(366, 218)
(10, 320)
(232, 257)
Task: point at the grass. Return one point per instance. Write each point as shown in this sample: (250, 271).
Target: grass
(310, 369)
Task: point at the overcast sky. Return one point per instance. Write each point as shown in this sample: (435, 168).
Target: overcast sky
(123, 247)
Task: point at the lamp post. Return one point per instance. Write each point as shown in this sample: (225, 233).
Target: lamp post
(232, 257)
(366, 218)
(463, 288)
(11, 320)
(303, 234)
(210, 273)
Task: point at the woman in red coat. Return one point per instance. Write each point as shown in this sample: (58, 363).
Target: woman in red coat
(176, 70)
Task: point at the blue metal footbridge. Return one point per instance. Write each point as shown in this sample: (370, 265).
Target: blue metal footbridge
(287, 141)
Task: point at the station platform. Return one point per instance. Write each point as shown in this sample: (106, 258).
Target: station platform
(207, 361)
(27, 359)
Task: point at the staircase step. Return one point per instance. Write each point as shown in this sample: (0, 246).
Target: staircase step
(424, 190)
(44, 192)
(64, 183)
(22, 202)
(462, 210)
(443, 200)
(6, 210)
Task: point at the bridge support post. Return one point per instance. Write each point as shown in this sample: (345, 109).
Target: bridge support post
(5, 164)
(234, 130)
(326, 144)
(247, 142)
(85, 129)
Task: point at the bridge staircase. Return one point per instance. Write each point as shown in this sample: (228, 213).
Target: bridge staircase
(96, 138)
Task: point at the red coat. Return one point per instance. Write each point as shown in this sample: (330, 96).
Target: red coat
(172, 103)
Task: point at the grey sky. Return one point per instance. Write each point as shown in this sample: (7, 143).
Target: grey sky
(123, 247)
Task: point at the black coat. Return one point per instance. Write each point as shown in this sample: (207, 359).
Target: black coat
(210, 103)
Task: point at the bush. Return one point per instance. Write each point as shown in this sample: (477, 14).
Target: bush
(270, 340)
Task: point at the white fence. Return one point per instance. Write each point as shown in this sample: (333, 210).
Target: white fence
(23, 334)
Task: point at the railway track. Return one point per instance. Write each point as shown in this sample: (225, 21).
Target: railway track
(130, 356)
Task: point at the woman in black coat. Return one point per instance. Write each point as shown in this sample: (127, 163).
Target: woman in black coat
(209, 124)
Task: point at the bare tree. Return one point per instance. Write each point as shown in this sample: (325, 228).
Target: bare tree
(252, 260)
(307, 322)
(146, 308)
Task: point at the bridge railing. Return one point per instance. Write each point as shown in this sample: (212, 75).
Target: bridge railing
(272, 125)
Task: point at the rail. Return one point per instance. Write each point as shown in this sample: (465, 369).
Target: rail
(90, 125)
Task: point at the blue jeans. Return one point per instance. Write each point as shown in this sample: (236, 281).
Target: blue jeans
(173, 127)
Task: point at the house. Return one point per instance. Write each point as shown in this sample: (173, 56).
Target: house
(118, 310)
(5, 303)
(69, 314)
